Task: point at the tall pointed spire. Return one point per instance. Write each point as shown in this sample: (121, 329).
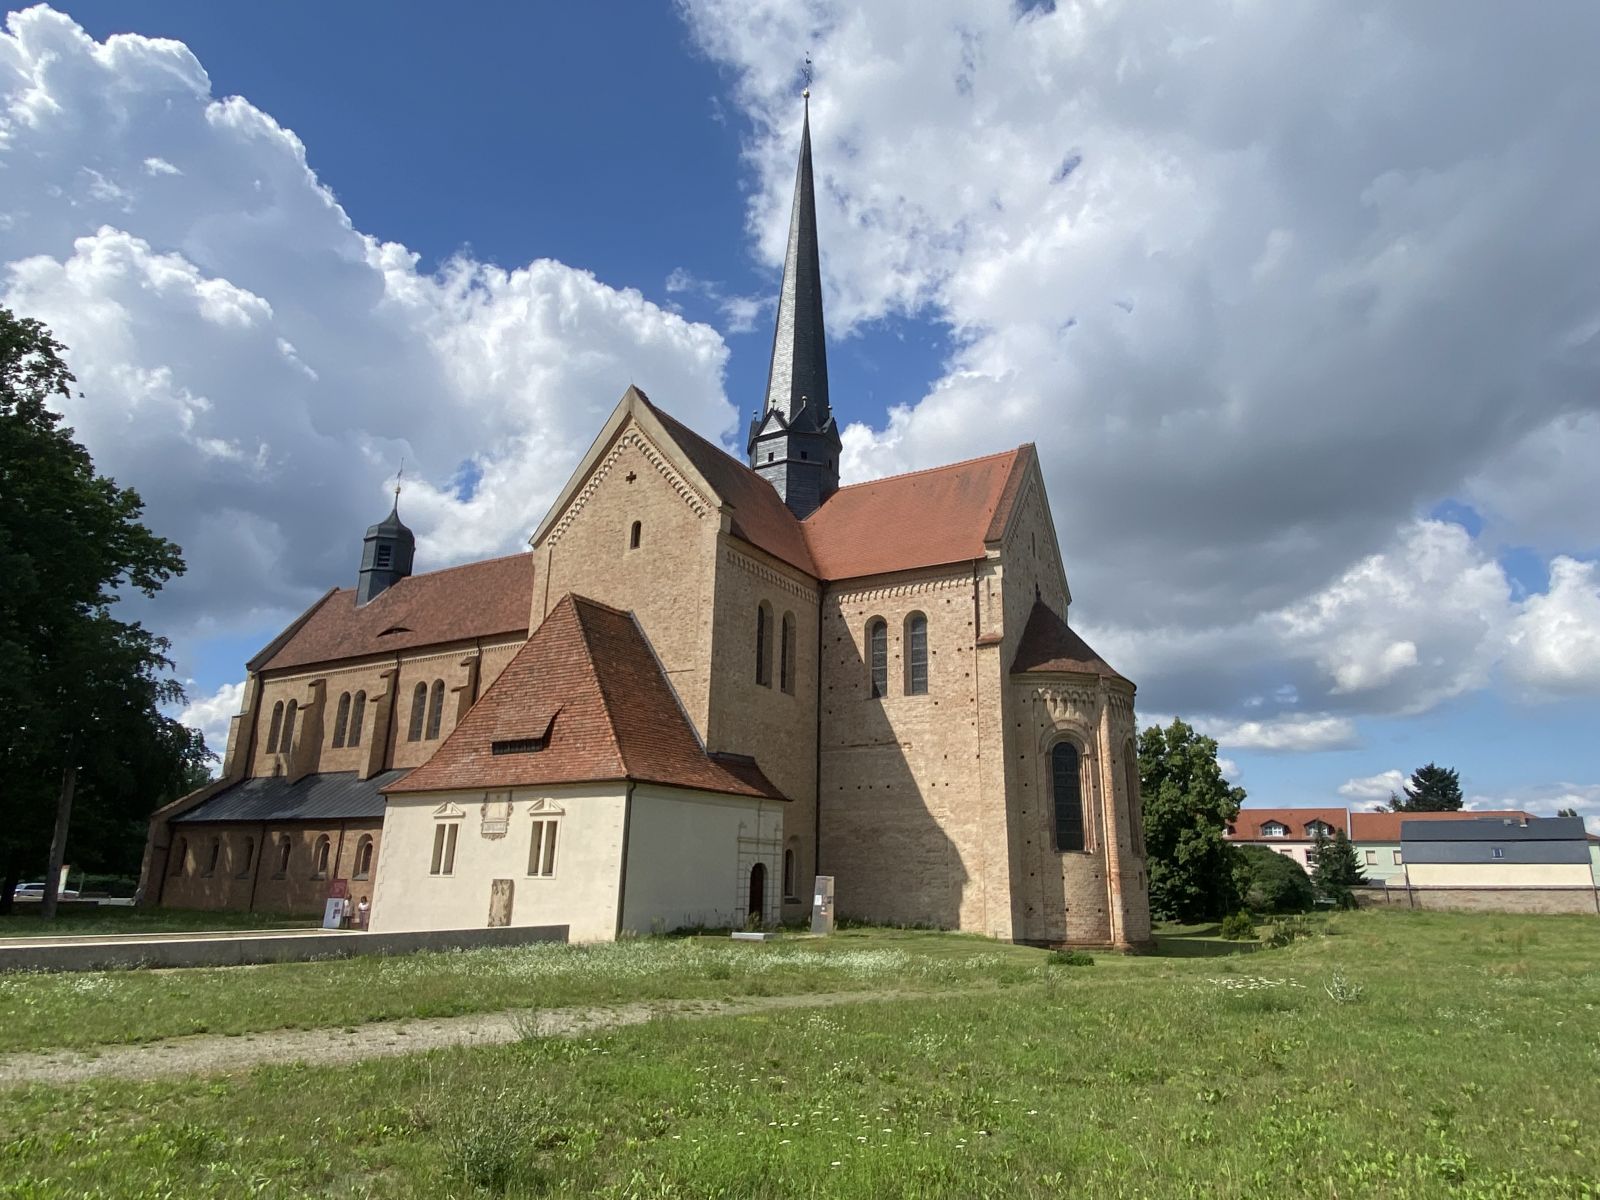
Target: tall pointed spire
(799, 369)
(794, 440)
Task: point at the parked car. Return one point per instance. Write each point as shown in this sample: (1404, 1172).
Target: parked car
(35, 891)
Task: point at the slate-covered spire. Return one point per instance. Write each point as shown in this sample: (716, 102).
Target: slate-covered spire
(387, 553)
(794, 440)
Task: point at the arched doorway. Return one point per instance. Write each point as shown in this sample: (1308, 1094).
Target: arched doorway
(756, 912)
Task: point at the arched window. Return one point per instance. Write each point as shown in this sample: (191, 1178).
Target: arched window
(436, 709)
(286, 743)
(764, 644)
(786, 663)
(1066, 782)
(319, 858)
(878, 657)
(790, 875)
(341, 720)
(276, 728)
(248, 860)
(180, 852)
(358, 714)
(364, 856)
(756, 914)
(634, 534)
(916, 644)
(1130, 769)
(285, 848)
(419, 712)
(213, 856)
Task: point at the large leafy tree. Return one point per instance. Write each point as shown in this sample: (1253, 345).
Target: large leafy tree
(1274, 883)
(1194, 871)
(1430, 789)
(81, 689)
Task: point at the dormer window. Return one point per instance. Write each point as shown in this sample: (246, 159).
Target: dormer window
(1273, 829)
(1318, 829)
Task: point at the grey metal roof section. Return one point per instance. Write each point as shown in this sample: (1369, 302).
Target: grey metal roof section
(1495, 829)
(1547, 840)
(798, 378)
(336, 796)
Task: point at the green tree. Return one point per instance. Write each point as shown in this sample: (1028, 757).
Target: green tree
(84, 690)
(1273, 882)
(1566, 812)
(1335, 870)
(1187, 808)
(1430, 789)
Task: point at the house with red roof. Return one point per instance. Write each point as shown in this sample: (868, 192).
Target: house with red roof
(710, 681)
(1291, 832)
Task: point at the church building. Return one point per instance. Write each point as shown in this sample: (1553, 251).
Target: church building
(708, 682)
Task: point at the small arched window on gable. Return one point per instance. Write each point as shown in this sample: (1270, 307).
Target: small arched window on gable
(285, 849)
(358, 714)
(248, 860)
(319, 858)
(764, 644)
(878, 657)
(275, 728)
(364, 857)
(286, 743)
(213, 856)
(786, 648)
(341, 721)
(1130, 768)
(1066, 783)
(419, 712)
(916, 644)
(180, 853)
(635, 534)
(435, 709)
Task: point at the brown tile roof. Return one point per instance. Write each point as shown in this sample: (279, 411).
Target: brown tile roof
(923, 519)
(1247, 825)
(588, 680)
(760, 516)
(1049, 644)
(1385, 826)
(475, 600)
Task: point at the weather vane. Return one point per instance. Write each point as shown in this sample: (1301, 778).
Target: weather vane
(807, 70)
(398, 476)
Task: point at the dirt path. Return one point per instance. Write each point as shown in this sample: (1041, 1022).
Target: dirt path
(212, 1054)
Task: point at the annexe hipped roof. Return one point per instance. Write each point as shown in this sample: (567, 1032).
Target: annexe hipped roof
(336, 796)
(457, 604)
(587, 685)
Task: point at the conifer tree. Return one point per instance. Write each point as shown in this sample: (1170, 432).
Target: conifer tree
(1335, 870)
(1430, 789)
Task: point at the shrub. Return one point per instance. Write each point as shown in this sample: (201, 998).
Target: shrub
(1275, 883)
(1240, 927)
(1287, 930)
(1070, 958)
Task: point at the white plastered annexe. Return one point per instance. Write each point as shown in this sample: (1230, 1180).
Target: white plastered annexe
(690, 859)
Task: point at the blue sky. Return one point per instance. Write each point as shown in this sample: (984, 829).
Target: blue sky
(1305, 338)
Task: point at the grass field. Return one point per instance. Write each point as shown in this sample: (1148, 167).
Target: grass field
(1401, 1055)
(24, 921)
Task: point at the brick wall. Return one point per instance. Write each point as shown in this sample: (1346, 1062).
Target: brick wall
(260, 882)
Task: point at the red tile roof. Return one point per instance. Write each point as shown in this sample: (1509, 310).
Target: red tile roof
(923, 519)
(1049, 644)
(1385, 826)
(760, 516)
(1247, 825)
(475, 600)
(588, 680)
